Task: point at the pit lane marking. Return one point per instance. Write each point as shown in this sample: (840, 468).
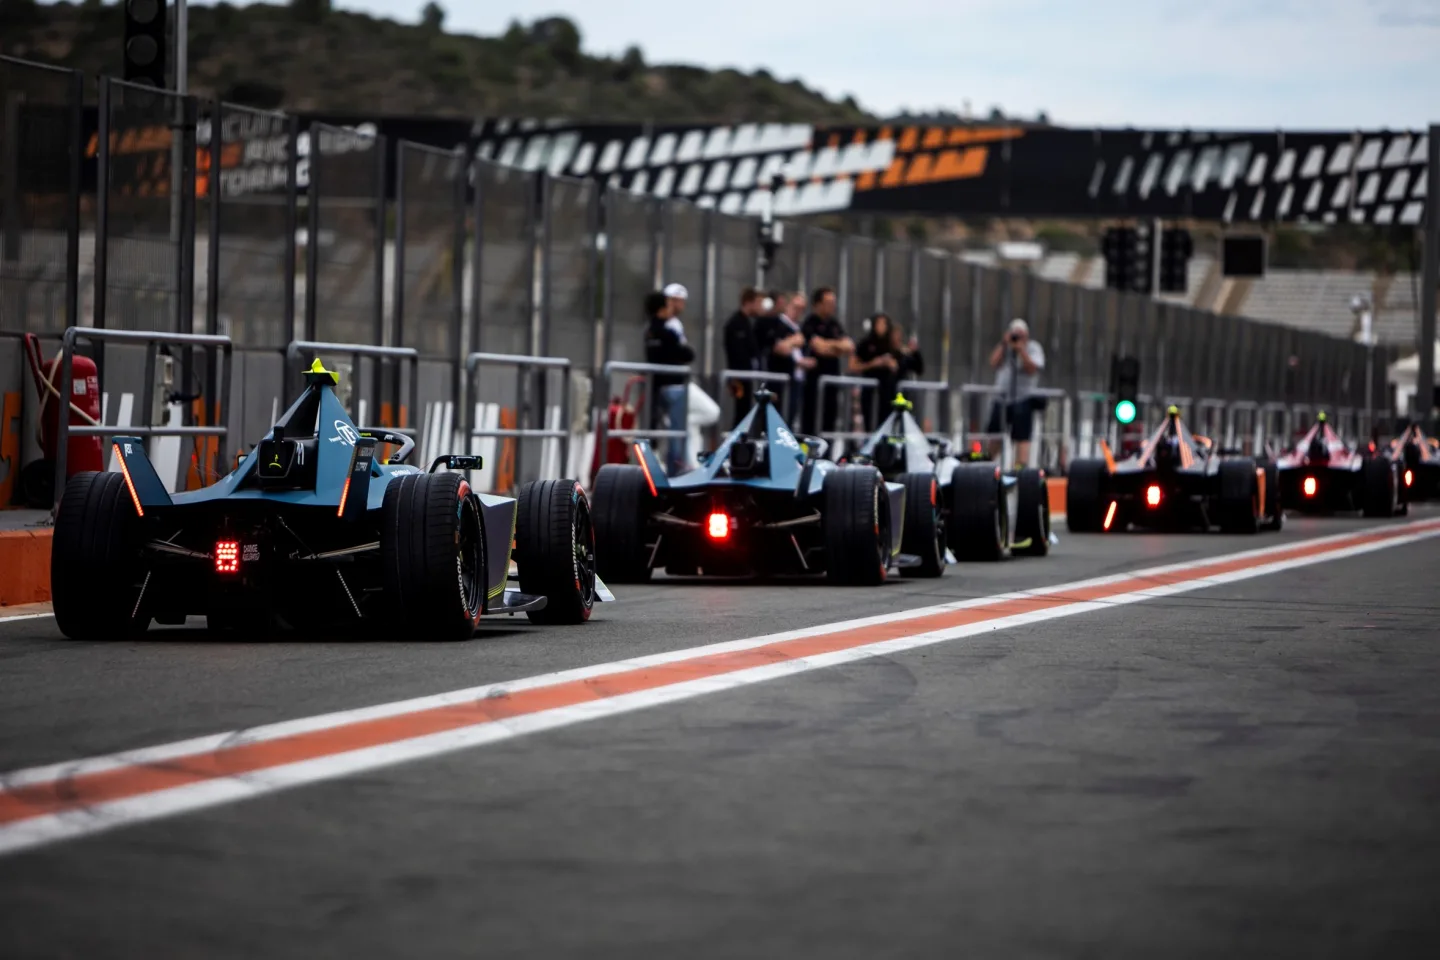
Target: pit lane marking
(44, 805)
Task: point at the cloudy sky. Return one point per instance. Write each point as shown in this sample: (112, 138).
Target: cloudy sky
(1204, 63)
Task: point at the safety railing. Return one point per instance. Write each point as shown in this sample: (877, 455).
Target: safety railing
(649, 372)
(754, 377)
(152, 341)
(846, 387)
(297, 351)
(523, 366)
(1048, 445)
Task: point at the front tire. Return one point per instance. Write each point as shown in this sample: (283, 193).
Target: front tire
(432, 548)
(621, 515)
(857, 527)
(923, 534)
(97, 582)
(555, 550)
(979, 526)
(1033, 520)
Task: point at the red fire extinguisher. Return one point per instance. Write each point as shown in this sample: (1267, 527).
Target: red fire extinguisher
(84, 453)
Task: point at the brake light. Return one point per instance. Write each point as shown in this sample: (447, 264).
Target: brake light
(1310, 486)
(1110, 514)
(1409, 477)
(227, 556)
(718, 526)
(975, 447)
(1152, 495)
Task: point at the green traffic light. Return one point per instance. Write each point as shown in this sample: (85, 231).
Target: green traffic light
(1125, 411)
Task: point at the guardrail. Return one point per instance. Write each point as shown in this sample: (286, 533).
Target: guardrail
(151, 340)
(843, 411)
(643, 433)
(523, 365)
(296, 349)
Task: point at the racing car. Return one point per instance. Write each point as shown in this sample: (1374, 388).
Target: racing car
(763, 503)
(1419, 458)
(312, 532)
(1321, 474)
(1175, 480)
(978, 512)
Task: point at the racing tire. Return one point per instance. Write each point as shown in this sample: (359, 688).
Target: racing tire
(1378, 488)
(979, 526)
(1239, 507)
(857, 527)
(432, 551)
(1032, 519)
(555, 550)
(1274, 508)
(1085, 496)
(97, 582)
(923, 534)
(620, 511)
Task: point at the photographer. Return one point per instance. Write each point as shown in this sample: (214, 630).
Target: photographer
(1017, 361)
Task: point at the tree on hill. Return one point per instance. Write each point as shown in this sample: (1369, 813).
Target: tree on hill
(310, 11)
(433, 17)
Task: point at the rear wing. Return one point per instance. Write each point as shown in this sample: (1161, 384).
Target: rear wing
(146, 489)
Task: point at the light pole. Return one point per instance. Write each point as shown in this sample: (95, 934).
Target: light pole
(1365, 313)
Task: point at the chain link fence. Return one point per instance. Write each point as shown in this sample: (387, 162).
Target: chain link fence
(429, 249)
(344, 182)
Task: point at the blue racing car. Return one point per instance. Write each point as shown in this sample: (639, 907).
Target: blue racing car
(312, 532)
(763, 504)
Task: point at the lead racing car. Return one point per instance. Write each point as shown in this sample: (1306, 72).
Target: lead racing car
(1176, 481)
(312, 532)
(764, 503)
(970, 508)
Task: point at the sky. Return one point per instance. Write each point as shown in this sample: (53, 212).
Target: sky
(1296, 64)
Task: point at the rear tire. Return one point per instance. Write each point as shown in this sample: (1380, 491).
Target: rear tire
(432, 549)
(857, 527)
(1379, 489)
(1239, 495)
(1085, 496)
(1274, 507)
(97, 580)
(923, 534)
(1032, 520)
(621, 511)
(555, 550)
(979, 525)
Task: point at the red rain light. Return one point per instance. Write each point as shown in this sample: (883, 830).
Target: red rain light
(1152, 495)
(1310, 486)
(1409, 478)
(227, 556)
(718, 526)
(1110, 514)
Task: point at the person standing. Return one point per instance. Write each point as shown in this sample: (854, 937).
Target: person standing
(825, 340)
(665, 343)
(782, 344)
(876, 356)
(1018, 362)
(677, 296)
(742, 351)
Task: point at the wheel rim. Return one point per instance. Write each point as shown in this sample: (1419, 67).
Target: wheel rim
(582, 539)
(468, 561)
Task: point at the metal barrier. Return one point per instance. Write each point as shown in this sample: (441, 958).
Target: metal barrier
(1043, 440)
(297, 348)
(523, 365)
(643, 433)
(151, 340)
(753, 376)
(839, 381)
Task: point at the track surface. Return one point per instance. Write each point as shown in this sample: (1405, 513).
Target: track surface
(1251, 769)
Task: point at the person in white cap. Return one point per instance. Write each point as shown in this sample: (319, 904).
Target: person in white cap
(677, 295)
(1017, 361)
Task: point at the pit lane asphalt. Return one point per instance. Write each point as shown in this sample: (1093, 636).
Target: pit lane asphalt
(1248, 769)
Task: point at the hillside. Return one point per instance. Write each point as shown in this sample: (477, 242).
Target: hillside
(310, 58)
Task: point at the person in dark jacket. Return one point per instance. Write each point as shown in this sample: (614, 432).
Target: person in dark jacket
(782, 347)
(665, 343)
(885, 355)
(742, 348)
(825, 340)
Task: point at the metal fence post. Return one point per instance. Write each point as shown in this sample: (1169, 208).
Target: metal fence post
(292, 218)
(457, 281)
(102, 204)
(212, 249)
(185, 300)
(72, 209)
(380, 210)
(314, 188)
(397, 309)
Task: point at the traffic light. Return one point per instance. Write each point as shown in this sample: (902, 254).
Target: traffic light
(1125, 385)
(1129, 258)
(145, 42)
(1176, 249)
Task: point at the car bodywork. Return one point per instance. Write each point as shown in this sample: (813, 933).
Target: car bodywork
(1418, 455)
(1322, 473)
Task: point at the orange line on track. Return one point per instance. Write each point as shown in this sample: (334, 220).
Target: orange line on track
(66, 794)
